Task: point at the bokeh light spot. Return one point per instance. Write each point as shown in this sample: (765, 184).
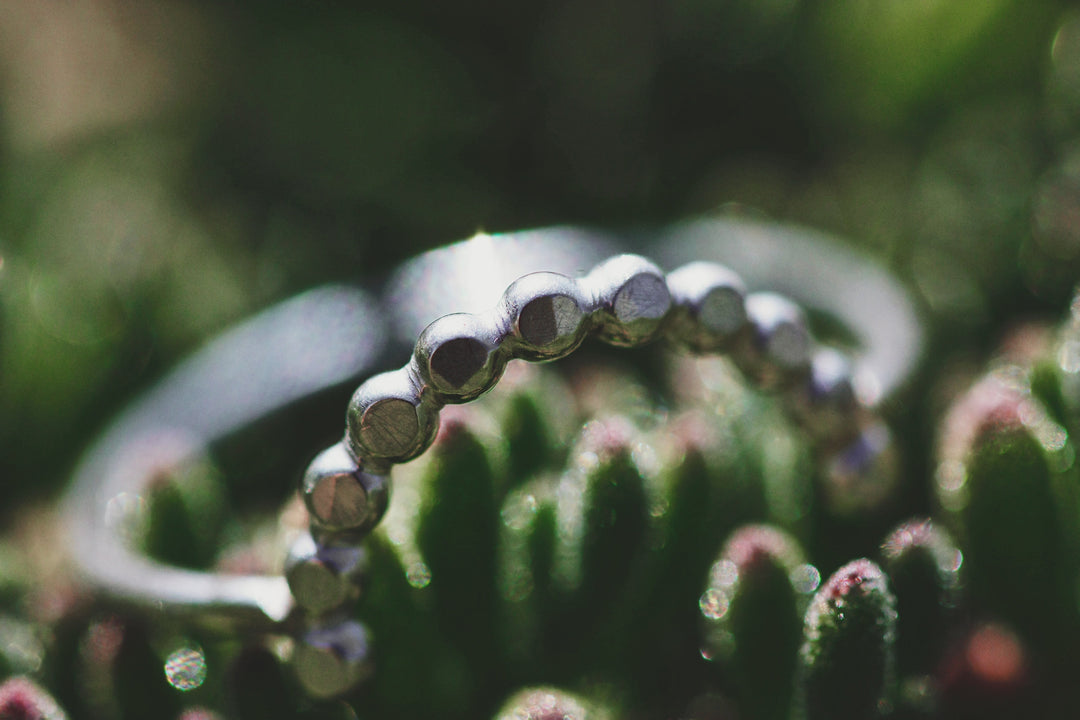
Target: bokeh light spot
(995, 654)
(185, 669)
(418, 575)
(805, 579)
(714, 603)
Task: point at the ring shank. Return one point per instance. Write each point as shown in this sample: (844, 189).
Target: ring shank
(321, 338)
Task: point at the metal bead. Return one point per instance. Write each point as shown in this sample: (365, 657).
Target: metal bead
(546, 316)
(779, 347)
(331, 659)
(827, 404)
(323, 576)
(460, 356)
(340, 495)
(862, 474)
(709, 306)
(390, 419)
(632, 299)
(832, 381)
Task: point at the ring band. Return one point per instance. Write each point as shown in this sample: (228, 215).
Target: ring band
(329, 336)
(320, 339)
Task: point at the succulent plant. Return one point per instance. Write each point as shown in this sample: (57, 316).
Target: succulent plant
(848, 653)
(752, 609)
(21, 699)
(605, 544)
(549, 704)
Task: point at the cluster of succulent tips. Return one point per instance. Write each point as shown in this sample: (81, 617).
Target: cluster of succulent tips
(646, 540)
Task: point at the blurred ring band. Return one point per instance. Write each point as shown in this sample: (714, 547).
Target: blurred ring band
(320, 339)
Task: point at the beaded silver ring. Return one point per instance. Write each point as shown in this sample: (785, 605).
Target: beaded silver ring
(327, 336)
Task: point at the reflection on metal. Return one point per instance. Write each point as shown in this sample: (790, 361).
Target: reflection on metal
(821, 273)
(471, 275)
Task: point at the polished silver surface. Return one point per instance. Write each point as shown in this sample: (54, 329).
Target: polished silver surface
(631, 298)
(709, 306)
(389, 418)
(332, 657)
(827, 404)
(340, 496)
(779, 345)
(832, 377)
(471, 275)
(461, 356)
(547, 316)
(324, 576)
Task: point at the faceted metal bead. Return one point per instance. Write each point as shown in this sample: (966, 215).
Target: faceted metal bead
(340, 495)
(331, 659)
(862, 474)
(389, 418)
(460, 356)
(831, 384)
(632, 299)
(827, 404)
(323, 576)
(546, 315)
(709, 306)
(779, 346)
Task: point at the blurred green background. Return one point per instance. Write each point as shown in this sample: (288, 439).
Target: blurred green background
(169, 166)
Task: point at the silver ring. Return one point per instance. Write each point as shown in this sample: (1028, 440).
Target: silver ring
(332, 335)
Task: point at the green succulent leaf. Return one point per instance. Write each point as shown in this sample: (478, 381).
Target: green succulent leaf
(848, 651)
(923, 565)
(187, 513)
(752, 618)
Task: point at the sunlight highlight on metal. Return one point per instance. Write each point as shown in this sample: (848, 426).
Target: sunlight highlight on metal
(472, 274)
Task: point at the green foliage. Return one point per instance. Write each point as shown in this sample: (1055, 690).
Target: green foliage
(752, 615)
(848, 649)
(155, 186)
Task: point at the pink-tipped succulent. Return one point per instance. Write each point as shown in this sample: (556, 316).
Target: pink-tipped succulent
(21, 699)
(752, 618)
(1005, 476)
(847, 657)
(546, 703)
(923, 565)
